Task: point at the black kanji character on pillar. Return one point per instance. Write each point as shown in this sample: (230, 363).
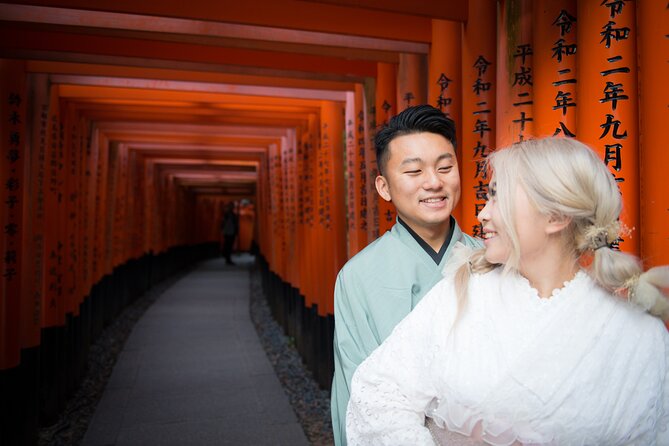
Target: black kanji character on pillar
(443, 82)
(561, 49)
(611, 33)
(10, 256)
(481, 126)
(408, 96)
(11, 229)
(480, 86)
(386, 106)
(11, 201)
(607, 127)
(612, 94)
(12, 184)
(14, 99)
(522, 120)
(615, 6)
(15, 118)
(524, 77)
(523, 51)
(481, 190)
(564, 20)
(443, 102)
(612, 153)
(480, 150)
(563, 129)
(563, 100)
(481, 65)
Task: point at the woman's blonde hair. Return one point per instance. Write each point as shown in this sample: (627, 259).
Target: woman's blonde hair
(564, 178)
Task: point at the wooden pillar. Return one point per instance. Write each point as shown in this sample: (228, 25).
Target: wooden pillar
(607, 95)
(555, 76)
(33, 260)
(331, 207)
(276, 211)
(445, 77)
(653, 16)
(478, 109)
(12, 179)
(356, 170)
(289, 194)
(515, 77)
(411, 80)
(386, 108)
(70, 201)
(372, 197)
(53, 305)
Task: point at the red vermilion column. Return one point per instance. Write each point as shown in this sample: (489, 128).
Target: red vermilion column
(555, 76)
(312, 236)
(350, 168)
(607, 115)
(102, 151)
(445, 76)
(653, 16)
(411, 80)
(53, 307)
(477, 139)
(276, 210)
(89, 212)
(289, 176)
(331, 199)
(356, 171)
(515, 76)
(362, 173)
(70, 216)
(12, 178)
(386, 108)
(33, 259)
(261, 187)
(371, 93)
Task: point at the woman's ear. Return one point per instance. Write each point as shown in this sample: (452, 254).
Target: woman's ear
(382, 187)
(557, 223)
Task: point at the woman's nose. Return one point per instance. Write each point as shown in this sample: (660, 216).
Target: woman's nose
(484, 215)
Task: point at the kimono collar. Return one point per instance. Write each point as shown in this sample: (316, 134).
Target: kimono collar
(436, 256)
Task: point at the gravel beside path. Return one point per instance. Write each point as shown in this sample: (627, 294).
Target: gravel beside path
(310, 403)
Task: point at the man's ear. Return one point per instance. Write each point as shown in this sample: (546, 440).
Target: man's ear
(382, 187)
(557, 223)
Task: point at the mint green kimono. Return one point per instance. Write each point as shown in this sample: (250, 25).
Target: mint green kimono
(374, 291)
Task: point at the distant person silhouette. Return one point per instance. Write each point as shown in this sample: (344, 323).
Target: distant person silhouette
(229, 230)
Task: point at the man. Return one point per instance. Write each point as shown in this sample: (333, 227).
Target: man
(229, 229)
(379, 286)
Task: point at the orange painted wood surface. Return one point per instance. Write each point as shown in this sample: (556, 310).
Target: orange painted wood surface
(445, 78)
(33, 262)
(13, 94)
(331, 210)
(654, 115)
(293, 14)
(386, 108)
(477, 140)
(607, 117)
(555, 74)
(515, 75)
(53, 306)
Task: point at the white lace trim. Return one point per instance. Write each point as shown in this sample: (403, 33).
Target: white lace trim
(496, 431)
(557, 294)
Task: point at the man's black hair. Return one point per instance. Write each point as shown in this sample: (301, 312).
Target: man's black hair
(416, 119)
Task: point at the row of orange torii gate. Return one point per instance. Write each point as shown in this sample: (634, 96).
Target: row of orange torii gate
(594, 70)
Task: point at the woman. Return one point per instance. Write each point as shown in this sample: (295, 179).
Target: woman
(542, 338)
